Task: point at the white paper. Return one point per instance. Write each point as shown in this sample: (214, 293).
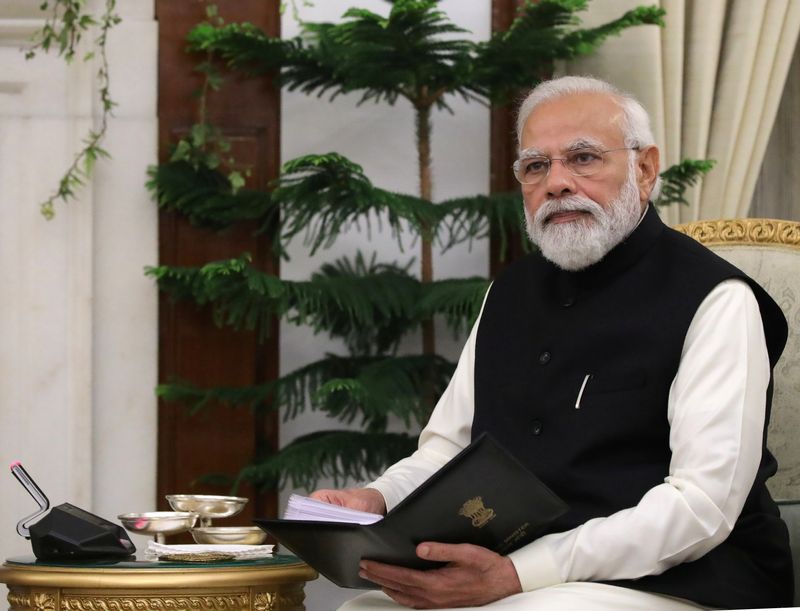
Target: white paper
(305, 508)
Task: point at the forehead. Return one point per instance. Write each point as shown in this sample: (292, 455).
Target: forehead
(555, 124)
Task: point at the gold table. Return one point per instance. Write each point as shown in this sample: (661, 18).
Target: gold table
(267, 584)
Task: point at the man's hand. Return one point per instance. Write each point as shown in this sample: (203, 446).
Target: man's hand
(473, 576)
(362, 499)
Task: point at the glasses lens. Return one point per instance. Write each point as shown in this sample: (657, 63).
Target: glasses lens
(531, 170)
(584, 162)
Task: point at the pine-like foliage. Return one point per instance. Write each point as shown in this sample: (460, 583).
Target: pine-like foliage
(418, 54)
(368, 305)
(543, 32)
(207, 198)
(358, 389)
(339, 455)
(246, 298)
(465, 219)
(323, 195)
(681, 176)
(320, 196)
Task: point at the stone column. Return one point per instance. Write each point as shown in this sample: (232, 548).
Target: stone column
(78, 320)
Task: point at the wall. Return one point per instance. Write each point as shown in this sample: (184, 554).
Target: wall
(78, 319)
(381, 139)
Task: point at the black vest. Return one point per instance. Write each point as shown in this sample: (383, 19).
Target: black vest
(622, 320)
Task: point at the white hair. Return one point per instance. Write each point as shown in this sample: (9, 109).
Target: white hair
(635, 124)
(577, 245)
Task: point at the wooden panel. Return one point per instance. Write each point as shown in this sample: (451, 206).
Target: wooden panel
(220, 440)
(503, 143)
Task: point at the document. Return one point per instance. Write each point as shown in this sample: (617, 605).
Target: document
(305, 508)
(483, 496)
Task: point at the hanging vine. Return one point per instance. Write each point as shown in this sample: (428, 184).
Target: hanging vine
(65, 25)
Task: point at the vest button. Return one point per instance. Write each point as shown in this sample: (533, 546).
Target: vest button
(536, 427)
(569, 301)
(544, 358)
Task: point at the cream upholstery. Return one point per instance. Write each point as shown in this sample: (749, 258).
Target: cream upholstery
(769, 252)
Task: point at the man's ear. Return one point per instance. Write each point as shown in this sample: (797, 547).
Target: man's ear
(647, 171)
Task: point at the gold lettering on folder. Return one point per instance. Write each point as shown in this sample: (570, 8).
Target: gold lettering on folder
(475, 511)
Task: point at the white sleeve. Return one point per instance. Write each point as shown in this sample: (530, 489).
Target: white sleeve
(448, 431)
(716, 416)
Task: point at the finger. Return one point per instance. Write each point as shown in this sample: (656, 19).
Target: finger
(380, 579)
(328, 496)
(401, 592)
(392, 576)
(462, 553)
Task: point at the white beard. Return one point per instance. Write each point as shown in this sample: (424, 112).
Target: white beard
(578, 244)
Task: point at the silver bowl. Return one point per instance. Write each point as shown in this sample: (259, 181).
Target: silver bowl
(158, 523)
(230, 535)
(207, 506)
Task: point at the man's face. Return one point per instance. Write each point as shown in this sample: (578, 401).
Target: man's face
(576, 220)
(553, 129)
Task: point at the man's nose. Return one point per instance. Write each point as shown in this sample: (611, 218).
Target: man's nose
(560, 181)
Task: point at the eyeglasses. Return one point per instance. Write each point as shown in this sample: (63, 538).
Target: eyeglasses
(580, 162)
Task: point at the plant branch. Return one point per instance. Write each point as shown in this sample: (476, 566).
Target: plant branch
(64, 28)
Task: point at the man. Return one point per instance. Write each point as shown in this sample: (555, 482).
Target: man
(628, 367)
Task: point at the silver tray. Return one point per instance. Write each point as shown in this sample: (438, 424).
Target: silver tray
(231, 535)
(158, 523)
(207, 506)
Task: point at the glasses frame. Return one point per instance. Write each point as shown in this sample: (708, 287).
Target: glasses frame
(550, 160)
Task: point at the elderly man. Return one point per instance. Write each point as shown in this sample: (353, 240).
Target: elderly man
(630, 369)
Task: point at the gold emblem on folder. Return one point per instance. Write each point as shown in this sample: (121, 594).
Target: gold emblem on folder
(475, 511)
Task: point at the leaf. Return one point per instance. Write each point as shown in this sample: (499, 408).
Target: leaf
(457, 299)
(322, 195)
(679, 177)
(543, 32)
(208, 198)
(369, 305)
(236, 181)
(336, 454)
(465, 219)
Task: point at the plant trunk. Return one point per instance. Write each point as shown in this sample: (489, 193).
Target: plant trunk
(426, 192)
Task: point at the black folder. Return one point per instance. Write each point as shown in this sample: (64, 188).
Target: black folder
(482, 496)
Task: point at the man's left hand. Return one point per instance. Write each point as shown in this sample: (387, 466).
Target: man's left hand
(473, 576)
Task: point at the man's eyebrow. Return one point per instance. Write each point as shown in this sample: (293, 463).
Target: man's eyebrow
(530, 152)
(584, 143)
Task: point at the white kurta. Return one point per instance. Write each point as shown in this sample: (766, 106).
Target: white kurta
(716, 416)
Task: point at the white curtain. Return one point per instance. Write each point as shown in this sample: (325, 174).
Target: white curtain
(712, 80)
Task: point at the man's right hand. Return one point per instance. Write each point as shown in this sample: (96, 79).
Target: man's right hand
(362, 499)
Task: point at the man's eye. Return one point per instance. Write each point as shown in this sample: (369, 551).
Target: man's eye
(535, 166)
(582, 158)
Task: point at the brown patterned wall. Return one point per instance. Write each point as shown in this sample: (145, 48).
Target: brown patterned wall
(503, 144)
(191, 347)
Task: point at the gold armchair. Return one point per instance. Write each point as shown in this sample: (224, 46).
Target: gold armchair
(769, 252)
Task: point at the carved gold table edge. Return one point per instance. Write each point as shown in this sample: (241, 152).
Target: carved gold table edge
(53, 599)
(753, 232)
(251, 588)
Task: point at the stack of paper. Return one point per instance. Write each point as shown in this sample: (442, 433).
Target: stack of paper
(305, 508)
